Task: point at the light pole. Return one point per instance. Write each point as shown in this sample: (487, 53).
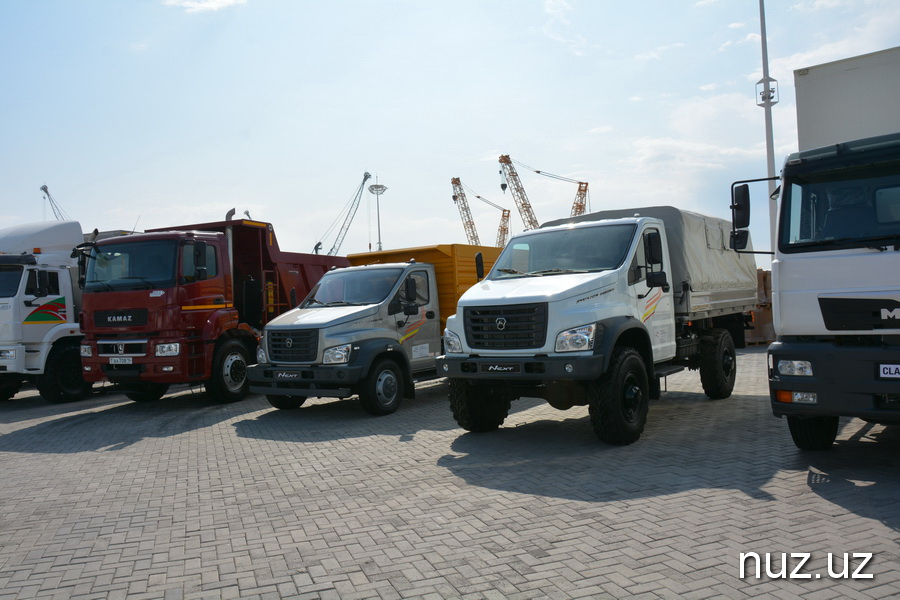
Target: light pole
(767, 97)
(378, 190)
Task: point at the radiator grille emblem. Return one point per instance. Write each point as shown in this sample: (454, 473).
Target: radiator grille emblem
(501, 324)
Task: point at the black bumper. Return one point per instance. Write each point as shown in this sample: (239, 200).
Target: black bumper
(847, 380)
(521, 368)
(315, 381)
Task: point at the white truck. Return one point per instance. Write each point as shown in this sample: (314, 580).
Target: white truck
(835, 295)
(369, 329)
(595, 310)
(39, 306)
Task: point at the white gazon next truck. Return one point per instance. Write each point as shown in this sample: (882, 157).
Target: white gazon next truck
(595, 310)
(39, 305)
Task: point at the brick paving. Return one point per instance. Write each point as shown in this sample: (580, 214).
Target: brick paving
(189, 499)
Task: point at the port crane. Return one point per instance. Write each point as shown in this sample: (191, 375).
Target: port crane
(459, 197)
(351, 208)
(511, 180)
(58, 211)
(580, 204)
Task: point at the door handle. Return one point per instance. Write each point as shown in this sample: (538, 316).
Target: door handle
(219, 301)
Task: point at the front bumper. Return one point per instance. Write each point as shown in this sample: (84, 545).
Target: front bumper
(521, 368)
(846, 380)
(315, 380)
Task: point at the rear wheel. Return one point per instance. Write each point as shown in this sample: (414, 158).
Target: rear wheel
(229, 381)
(478, 408)
(718, 364)
(286, 402)
(382, 390)
(619, 402)
(815, 433)
(146, 392)
(62, 380)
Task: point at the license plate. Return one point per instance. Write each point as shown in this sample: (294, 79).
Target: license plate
(120, 360)
(889, 371)
(500, 368)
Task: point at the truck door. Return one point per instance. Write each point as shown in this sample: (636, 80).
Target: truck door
(653, 305)
(420, 333)
(44, 306)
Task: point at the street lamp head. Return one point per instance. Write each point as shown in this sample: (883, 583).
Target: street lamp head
(377, 189)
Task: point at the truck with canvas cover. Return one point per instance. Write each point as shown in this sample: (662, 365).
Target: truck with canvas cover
(186, 304)
(371, 329)
(835, 295)
(39, 305)
(595, 310)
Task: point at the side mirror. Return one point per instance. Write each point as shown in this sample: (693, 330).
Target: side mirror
(43, 284)
(409, 288)
(200, 272)
(479, 266)
(740, 206)
(653, 248)
(658, 279)
(739, 239)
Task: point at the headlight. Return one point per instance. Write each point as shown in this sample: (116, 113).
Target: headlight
(452, 343)
(261, 357)
(11, 354)
(337, 355)
(801, 368)
(86, 351)
(577, 339)
(168, 349)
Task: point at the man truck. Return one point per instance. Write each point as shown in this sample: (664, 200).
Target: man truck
(595, 310)
(835, 297)
(186, 304)
(369, 329)
(39, 305)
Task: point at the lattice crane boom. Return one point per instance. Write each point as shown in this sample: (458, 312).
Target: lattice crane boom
(580, 204)
(58, 211)
(351, 212)
(459, 197)
(518, 192)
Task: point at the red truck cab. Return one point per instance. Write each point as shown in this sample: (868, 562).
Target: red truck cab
(187, 304)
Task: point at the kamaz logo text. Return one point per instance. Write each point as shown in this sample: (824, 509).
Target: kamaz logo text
(119, 319)
(888, 313)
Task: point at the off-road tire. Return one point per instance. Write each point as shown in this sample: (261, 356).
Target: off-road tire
(146, 392)
(814, 433)
(618, 403)
(9, 386)
(718, 364)
(382, 390)
(286, 402)
(62, 380)
(478, 408)
(229, 382)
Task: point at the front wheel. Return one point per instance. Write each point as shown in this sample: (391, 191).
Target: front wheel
(815, 433)
(382, 390)
(62, 380)
(146, 392)
(9, 386)
(286, 402)
(478, 408)
(718, 364)
(229, 381)
(619, 402)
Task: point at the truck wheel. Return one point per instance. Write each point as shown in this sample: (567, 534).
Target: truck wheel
(286, 402)
(815, 433)
(229, 381)
(619, 402)
(9, 386)
(62, 380)
(718, 364)
(383, 388)
(475, 408)
(146, 392)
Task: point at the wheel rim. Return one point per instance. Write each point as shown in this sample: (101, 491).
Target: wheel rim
(728, 361)
(386, 387)
(632, 398)
(234, 372)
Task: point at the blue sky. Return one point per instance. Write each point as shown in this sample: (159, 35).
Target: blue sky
(148, 113)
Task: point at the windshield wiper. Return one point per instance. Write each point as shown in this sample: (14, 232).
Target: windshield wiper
(146, 281)
(101, 282)
(556, 270)
(511, 271)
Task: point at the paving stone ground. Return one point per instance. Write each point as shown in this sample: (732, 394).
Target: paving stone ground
(189, 499)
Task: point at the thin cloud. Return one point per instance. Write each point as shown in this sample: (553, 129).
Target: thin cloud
(657, 53)
(558, 11)
(193, 6)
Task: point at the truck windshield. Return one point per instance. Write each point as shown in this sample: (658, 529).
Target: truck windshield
(576, 250)
(131, 266)
(10, 277)
(857, 207)
(352, 287)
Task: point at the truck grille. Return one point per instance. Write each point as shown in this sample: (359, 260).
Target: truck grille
(506, 327)
(296, 346)
(122, 347)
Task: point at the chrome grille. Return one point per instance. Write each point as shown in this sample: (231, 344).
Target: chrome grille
(506, 327)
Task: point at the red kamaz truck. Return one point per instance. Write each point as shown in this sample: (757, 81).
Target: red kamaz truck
(186, 304)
